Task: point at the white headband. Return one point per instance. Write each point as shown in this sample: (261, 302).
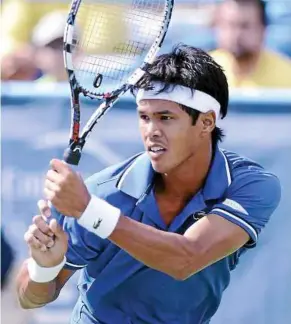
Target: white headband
(191, 98)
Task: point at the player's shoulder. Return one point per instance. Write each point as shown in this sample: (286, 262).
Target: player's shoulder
(245, 171)
(239, 163)
(107, 178)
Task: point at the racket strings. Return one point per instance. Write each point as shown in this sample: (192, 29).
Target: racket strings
(112, 39)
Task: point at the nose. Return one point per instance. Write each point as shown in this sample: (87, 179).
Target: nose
(153, 131)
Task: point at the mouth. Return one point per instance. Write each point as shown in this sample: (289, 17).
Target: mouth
(156, 151)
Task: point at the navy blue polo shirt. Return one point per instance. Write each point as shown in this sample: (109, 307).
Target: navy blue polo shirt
(117, 289)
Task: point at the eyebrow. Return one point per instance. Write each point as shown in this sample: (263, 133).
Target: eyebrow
(162, 112)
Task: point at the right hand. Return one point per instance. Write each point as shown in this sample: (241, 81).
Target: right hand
(47, 242)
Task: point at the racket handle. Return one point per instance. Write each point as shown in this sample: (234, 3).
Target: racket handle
(72, 156)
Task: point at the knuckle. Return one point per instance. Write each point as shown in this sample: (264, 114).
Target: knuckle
(31, 228)
(28, 237)
(49, 173)
(46, 183)
(31, 240)
(34, 229)
(44, 239)
(25, 236)
(57, 189)
(41, 224)
(36, 219)
(49, 194)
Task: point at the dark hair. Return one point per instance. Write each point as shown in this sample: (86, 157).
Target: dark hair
(190, 67)
(260, 4)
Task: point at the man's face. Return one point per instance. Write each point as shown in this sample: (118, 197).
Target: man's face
(168, 135)
(240, 29)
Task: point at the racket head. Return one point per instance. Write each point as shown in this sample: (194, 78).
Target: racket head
(108, 43)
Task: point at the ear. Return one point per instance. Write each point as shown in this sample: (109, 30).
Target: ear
(208, 122)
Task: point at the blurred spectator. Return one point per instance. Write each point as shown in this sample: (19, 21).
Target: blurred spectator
(47, 37)
(240, 27)
(19, 18)
(20, 65)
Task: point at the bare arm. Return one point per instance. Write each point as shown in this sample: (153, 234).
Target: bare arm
(205, 242)
(33, 294)
(47, 243)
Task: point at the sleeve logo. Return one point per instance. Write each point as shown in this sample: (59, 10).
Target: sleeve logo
(235, 205)
(97, 223)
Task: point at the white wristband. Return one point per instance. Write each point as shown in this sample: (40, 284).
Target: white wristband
(43, 274)
(100, 217)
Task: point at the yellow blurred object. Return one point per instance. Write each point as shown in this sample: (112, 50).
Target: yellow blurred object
(104, 24)
(19, 18)
(272, 71)
(110, 30)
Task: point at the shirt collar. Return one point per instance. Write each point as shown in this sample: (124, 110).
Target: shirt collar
(137, 178)
(218, 178)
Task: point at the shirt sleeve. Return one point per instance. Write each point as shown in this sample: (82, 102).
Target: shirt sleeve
(83, 245)
(251, 199)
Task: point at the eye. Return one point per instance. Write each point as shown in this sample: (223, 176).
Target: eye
(166, 117)
(144, 117)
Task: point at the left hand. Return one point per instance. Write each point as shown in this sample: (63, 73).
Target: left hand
(66, 190)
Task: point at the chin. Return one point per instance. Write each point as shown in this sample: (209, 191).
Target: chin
(242, 54)
(160, 167)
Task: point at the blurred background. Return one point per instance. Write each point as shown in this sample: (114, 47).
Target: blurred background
(251, 39)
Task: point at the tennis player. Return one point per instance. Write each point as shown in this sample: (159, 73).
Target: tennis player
(155, 237)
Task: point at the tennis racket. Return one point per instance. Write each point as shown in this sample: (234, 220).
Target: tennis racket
(108, 46)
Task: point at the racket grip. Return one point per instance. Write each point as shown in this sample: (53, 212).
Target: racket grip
(72, 156)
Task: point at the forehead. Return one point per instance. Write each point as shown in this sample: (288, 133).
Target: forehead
(156, 105)
(231, 11)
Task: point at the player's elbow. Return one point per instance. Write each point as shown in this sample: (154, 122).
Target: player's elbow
(23, 304)
(180, 275)
(26, 304)
(189, 261)
(183, 272)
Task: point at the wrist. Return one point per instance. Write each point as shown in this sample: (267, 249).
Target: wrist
(41, 274)
(87, 200)
(100, 217)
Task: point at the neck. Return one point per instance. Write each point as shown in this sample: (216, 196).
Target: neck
(187, 179)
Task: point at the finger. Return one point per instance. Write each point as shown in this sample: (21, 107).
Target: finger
(44, 208)
(42, 237)
(33, 242)
(54, 176)
(56, 228)
(49, 195)
(42, 225)
(52, 186)
(60, 166)
(50, 244)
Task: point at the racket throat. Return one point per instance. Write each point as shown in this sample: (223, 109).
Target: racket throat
(72, 154)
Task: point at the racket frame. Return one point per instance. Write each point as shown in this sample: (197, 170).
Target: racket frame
(77, 141)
